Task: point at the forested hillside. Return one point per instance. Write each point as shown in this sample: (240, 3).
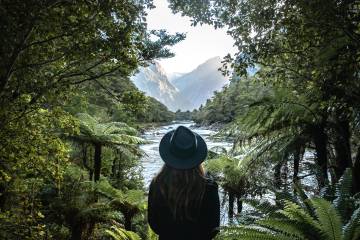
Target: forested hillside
(295, 123)
(69, 117)
(185, 92)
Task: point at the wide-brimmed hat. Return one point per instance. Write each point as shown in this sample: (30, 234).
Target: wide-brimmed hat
(182, 148)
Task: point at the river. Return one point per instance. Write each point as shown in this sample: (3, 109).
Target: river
(151, 161)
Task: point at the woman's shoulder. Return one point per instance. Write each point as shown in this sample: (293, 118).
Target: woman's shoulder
(211, 183)
(153, 186)
(212, 191)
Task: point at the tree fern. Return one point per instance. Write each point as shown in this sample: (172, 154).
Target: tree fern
(344, 201)
(115, 135)
(302, 216)
(284, 227)
(251, 233)
(351, 231)
(119, 233)
(129, 203)
(263, 206)
(328, 218)
(111, 134)
(151, 235)
(297, 223)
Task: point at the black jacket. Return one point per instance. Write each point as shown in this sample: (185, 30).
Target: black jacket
(204, 228)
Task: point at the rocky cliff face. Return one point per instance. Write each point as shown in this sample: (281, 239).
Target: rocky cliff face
(154, 82)
(186, 91)
(199, 85)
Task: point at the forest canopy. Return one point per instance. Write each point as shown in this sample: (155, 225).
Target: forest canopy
(296, 117)
(70, 118)
(59, 59)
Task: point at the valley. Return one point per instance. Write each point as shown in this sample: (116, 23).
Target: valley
(185, 91)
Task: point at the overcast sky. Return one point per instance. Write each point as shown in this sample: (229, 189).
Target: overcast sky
(201, 43)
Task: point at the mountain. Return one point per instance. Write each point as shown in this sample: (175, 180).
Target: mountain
(154, 82)
(174, 75)
(199, 85)
(186, 91)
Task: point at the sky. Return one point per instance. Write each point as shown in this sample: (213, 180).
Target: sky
(201, 43)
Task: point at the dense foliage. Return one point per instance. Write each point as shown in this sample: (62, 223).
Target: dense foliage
(69, 146)
(297, 119)
(69, 117)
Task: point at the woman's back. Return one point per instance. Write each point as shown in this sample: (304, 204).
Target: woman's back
(183, 203)
(203, 226)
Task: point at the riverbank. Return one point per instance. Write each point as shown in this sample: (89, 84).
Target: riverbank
(142, 127)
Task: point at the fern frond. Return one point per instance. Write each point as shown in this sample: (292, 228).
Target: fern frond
(97, 212)
(151, 235)
(296, 213)
(283, 226)
(351, 230)
(328, 218)
(251, 233)
(264, 207)
(118, 233)
(343, 195)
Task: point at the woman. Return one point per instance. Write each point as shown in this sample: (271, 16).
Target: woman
(183, 203)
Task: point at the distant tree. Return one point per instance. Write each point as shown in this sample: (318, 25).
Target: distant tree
(111, 135)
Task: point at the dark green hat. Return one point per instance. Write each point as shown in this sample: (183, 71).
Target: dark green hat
(182, 148)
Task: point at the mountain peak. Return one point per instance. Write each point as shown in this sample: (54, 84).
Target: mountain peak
(199, 85)
(156, 67)
(214, 62)
(214, 59)
(187, 91)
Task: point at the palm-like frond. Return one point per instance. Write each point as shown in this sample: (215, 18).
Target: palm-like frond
(251, 233)
(283, 227)
(131, 200)
(351, 230)
(296, 222)
(343, 201)
(273, 124)
(296, 213)
(107, 134)
(129, 151)
(119, 233)
(97, 212)
(263, 206)
(328, 218)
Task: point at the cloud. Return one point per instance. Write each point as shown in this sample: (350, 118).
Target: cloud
(201, 43)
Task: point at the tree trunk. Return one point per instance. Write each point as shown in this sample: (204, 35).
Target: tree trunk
(76, 232)
(231, 204)
(298, 153)
(356, 173)
(239, 203)
(342, 148)
(284, 174)
(97, 162)
(3, 195)
(320, 141)
(119, 171)
(128, 220)
(89, 230)
(85, 161)
(277, 176)
(113, 168)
